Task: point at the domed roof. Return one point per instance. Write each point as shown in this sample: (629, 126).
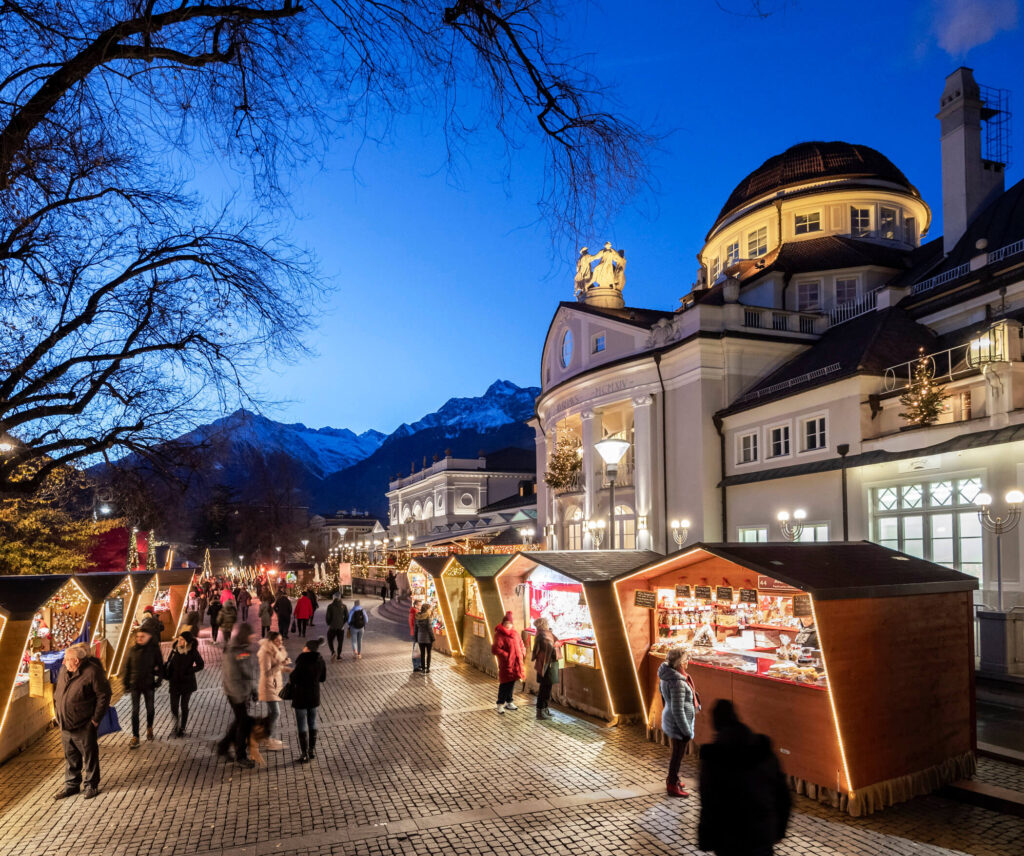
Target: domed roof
(810, 161)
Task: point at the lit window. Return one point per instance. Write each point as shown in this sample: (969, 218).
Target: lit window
(598, 343)
(748, 448)
(808, 296)
(846, 291)
(887, 220)
(757, 243)
(814, 434)
(716, 269)
(753, 534)
(814, 532)
(860, 222)
(780, 441)
(935, 520)
(732, 253)
(805, 223)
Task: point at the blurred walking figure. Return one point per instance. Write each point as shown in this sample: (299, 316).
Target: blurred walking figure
(237, 676)
(744, 800)
(546, 651)
(337, 618)
(183, 662)
(213, 610)
(283, 608)
(80, 700)
(310, 671)
(228, 617)
(392, 585)
(511, 653)
(143, 671)
(425, 635)
(679, 697)
(266, 616)
(243, 598)
(356, 624)
(303, 613)
(274, 662)
(414, 610)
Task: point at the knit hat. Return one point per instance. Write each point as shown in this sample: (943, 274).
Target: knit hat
(508, 616)
(314, 644)
(149, 609)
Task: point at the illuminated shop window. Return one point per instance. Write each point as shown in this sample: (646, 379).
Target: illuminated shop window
(935, 520)
(753, 534)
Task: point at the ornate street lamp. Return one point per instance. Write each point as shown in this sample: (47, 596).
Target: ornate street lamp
(999, 526)
(680, 531)
(304, 543)
(611, 451)
(526, 533)
(596, 530)
(792, 531)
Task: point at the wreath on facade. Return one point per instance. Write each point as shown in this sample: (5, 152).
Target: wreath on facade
(564, 465)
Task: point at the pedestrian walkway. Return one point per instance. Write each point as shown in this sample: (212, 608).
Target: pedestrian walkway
(421, 764)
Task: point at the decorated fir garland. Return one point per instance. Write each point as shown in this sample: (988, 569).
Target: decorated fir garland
(924, 398)
(564, 465)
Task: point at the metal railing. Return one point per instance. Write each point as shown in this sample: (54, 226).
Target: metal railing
(1006, 252)
(794, 381)
(855, 309)
(941, 279)
(577, 483)
(760, 318)
(946, 366)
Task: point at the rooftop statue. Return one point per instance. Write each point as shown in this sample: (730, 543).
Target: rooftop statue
(610, 271)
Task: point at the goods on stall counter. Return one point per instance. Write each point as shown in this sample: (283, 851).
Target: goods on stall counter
(704, 637)
(793, 672)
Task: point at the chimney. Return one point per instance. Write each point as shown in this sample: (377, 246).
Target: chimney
(969, 182)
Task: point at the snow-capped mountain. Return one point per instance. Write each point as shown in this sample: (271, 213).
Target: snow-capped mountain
(319, 451)
(502, 403)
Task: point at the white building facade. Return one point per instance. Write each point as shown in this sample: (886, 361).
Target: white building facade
(776, 384)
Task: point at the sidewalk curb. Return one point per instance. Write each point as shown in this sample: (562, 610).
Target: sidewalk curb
(986, 796)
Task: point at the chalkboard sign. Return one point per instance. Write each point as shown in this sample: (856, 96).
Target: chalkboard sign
(724, 593)
(682, 591)
(702, 592)
(113, 610)
(802, 606)
(646, 599)
(748, 595)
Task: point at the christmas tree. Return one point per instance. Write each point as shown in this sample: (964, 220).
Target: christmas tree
(150, 552)
(564, 464)
(924, 398)
(133, 550)
(207, 567)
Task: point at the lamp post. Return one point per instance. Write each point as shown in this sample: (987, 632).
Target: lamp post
(611, 451)
(792, 531)
(596, 530)
(680, 531)
(526, 533)
(999, 526)
(305, 543)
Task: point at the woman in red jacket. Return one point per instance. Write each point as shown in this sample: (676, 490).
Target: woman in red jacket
(303, 613)
(511, 653)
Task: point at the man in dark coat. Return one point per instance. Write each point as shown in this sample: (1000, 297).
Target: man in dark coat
(337, 618)
(153, 626)
(283, 608)
(392, 585)
(238, 673)
(242, 599)
(143, 670)
(745, 802)
(80, 701)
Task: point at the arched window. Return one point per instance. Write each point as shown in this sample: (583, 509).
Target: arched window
(406, 513)
(625, 528)
(574, 529)
(428, 510)
(417, 510)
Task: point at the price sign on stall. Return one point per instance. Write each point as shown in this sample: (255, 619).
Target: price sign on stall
(802, 606)
(748, 595)
(646, 599)
(724, 593)
(702, 592)
(682, 591)
(36, 674)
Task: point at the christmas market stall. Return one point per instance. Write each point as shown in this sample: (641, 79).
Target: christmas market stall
(107, 593)
(425, 579)
(144, 591)
(172, 595)
(476, 606)
(839, 652)
(40, 616)
(573, 590)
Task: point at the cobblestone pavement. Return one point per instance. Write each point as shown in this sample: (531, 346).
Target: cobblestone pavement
(414, 764)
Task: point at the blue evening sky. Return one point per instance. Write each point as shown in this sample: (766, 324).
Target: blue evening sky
(444, 286)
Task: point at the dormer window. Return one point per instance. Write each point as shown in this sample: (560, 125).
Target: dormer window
(757, 243)
(888, 219)
(805, 223)
(808, 296)
(860, 222)
(732, 253)
(598, 343)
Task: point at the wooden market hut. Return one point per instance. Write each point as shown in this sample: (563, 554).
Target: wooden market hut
(475, 604)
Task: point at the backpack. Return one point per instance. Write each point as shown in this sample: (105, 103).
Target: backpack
(358, 619)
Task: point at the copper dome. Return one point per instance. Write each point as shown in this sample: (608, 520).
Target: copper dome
(809, 161)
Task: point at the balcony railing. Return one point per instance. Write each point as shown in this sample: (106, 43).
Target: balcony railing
(777, 319)
(623, 477)
(576, 484)
(945, 365)
(847, 311)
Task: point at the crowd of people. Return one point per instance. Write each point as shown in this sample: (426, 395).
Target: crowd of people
(738, 771)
